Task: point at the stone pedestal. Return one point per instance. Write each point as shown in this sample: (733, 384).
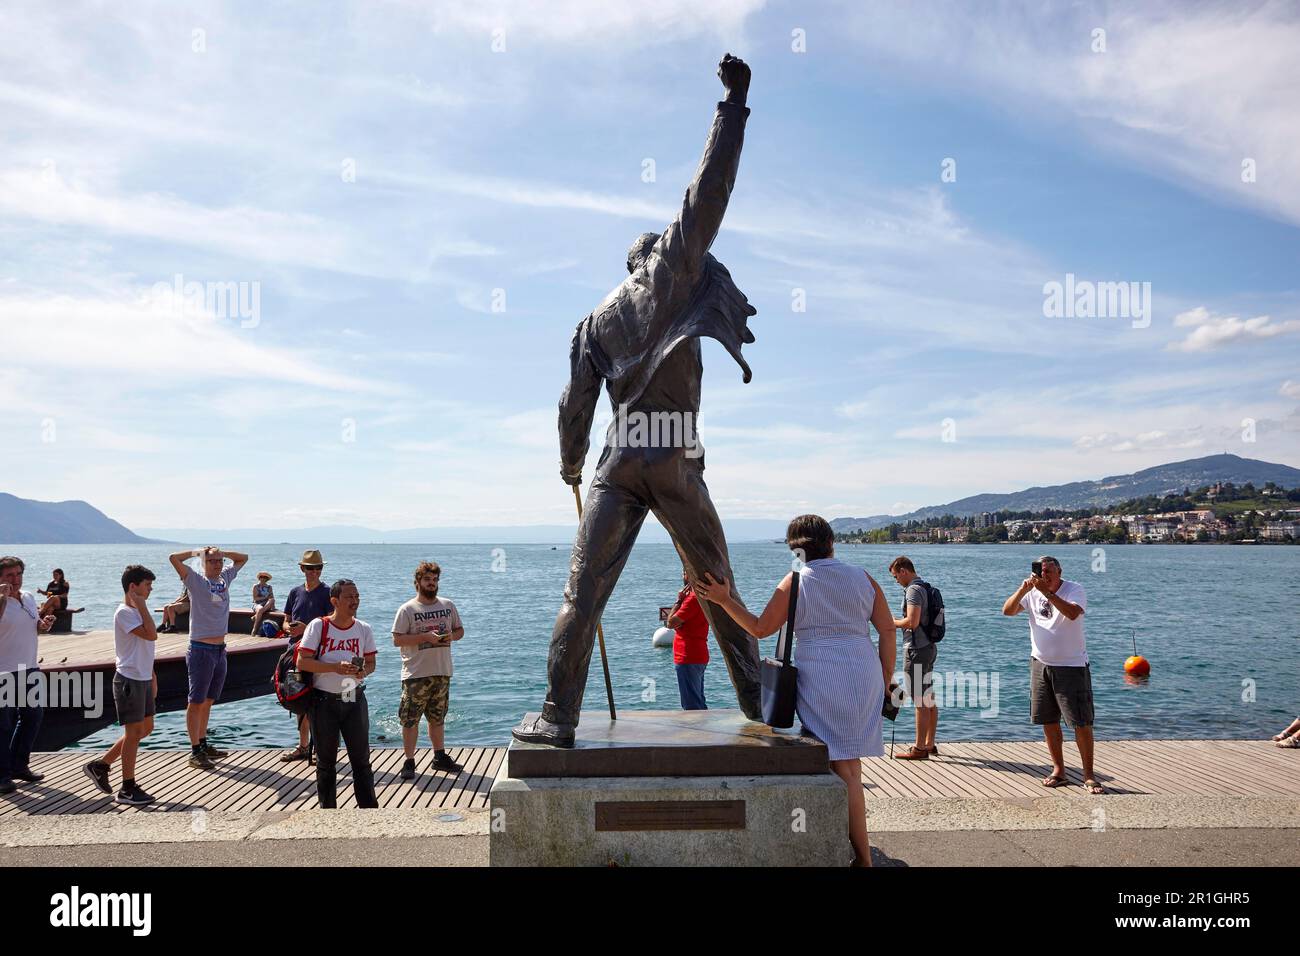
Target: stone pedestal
(670, 788)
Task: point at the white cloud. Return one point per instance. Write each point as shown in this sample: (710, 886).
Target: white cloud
(1186, 90)
(134, 335)
(1290, 389)
(1210, 332)
(526, 23)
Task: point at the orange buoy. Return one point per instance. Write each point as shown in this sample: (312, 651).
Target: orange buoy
(1137, 666)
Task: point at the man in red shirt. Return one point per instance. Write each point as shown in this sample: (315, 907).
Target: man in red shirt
(690, 646)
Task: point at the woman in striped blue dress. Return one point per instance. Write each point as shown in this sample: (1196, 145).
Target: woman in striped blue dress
(842, 677)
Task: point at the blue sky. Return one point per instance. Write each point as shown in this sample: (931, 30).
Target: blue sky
(384, 175)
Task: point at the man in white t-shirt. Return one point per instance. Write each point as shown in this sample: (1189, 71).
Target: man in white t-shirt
(423, 629)
(1060, 679)
(135, 685)
(339, 651)
(20, 623)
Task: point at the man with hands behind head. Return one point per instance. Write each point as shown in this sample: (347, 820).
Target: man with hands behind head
(206, 658)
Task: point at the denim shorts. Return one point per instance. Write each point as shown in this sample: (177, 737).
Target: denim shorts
(207, 667)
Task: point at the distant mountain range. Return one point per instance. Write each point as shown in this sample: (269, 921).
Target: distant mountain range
(738, 529)
(23, 521)
(75, 522)
(1159, 480)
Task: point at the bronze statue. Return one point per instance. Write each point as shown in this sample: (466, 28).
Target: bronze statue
(642, 342)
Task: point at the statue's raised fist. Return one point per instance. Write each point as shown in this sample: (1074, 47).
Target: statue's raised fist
(734, 73)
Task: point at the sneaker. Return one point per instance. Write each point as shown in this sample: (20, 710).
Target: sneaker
(200, 761)
(27, 775)
(7, 786)
(132, 796)
(97, 771)
(408, 769)
(211, 752)
(443, 761)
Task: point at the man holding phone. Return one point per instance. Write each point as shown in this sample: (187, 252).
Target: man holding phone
(423, 631)
(339, 652)
(1060, 679)
(20, 718)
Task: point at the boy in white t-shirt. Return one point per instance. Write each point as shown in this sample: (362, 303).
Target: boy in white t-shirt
(135, 685)
(424, 629)
(339, 651)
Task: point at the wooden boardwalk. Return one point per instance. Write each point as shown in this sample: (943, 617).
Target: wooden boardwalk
(251, 780)
(256, 780)
(1010, 770)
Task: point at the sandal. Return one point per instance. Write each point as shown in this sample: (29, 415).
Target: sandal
(1092, 786)
(1290, 743)
(913, 753)
(1053, 781)
(297, 753)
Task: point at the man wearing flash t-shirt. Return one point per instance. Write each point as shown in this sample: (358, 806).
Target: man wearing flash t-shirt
(1060, 679)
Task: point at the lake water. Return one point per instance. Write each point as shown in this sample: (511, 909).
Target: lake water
(1217, 623)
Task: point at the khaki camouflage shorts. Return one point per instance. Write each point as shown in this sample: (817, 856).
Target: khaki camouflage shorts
(424, 696)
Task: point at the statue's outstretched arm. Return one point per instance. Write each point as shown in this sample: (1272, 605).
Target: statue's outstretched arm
(578, 407)
(684, 243)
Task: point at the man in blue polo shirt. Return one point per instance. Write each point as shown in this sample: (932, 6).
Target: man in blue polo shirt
(306, 603)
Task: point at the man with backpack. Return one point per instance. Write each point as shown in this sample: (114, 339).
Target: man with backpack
(922, 628)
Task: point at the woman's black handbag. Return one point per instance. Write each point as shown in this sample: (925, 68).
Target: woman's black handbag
(779, 677)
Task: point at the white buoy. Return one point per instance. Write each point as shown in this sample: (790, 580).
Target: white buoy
(663, 638)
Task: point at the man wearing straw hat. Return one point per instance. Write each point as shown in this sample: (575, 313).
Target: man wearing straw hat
(306, 603)
(643, 344)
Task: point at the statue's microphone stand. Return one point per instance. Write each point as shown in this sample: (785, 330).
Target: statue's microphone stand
(600, 631)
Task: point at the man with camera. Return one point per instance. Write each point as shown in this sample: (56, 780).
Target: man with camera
(1060, 680)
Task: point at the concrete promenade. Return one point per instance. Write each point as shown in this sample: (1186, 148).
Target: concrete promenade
(1174, 803)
